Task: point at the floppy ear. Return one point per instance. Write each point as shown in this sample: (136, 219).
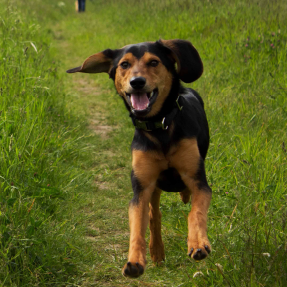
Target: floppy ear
(98, 63)
(189, 64)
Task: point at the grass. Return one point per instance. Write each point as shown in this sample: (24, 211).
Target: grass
(39, 146)
(65, 187)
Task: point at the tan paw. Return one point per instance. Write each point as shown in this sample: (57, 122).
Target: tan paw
(157, 252)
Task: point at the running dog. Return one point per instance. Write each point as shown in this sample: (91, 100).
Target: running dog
(170, 142)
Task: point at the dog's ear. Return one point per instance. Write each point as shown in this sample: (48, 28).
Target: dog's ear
(189, 64)
(98, 63)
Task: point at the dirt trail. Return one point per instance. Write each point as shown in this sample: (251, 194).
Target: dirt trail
(88, 91)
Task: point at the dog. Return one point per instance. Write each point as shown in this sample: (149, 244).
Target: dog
(170, 142)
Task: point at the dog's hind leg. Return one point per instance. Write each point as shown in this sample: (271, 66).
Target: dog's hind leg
(156, 246)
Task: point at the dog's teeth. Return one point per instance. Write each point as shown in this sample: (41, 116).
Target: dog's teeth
(152, 94)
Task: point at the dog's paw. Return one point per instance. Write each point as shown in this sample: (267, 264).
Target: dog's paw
(156, 249)
(199, 252)
(133, 270)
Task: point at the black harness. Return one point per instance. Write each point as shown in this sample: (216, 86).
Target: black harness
(162, 124)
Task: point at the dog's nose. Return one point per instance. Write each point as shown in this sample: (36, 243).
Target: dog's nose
(137, 82)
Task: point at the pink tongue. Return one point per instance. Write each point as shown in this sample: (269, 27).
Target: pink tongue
(139, 101)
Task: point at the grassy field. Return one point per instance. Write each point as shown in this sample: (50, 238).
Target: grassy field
(65, 143)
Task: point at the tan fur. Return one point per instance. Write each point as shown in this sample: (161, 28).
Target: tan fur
(185, 195)
(146, 166)
(138, 220)
(156, 77)
(97, 63)
(185, 159)
(197, 219)
(123, 76)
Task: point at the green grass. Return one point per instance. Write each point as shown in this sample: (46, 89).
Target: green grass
(65, 189)
(39, 147)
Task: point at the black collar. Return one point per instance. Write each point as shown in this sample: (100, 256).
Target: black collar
(162, 124)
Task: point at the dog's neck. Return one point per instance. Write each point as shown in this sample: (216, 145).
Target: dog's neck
(164, 118)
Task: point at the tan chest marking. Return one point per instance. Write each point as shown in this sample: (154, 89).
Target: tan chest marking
(184, 157)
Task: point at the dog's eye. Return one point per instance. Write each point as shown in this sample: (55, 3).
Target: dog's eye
(153, 63)
(124, 65)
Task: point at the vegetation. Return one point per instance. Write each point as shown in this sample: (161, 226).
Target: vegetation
(39, 147)
(64, 143)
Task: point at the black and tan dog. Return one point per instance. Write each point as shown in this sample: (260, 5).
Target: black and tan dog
(170, 142)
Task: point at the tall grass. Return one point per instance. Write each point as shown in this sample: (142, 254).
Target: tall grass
(39, 147)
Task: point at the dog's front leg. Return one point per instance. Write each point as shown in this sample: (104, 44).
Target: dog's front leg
(198, 243)
(138, 219)
(146, 169)
(190, 165)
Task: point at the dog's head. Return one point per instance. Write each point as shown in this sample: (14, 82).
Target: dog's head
(145, 73)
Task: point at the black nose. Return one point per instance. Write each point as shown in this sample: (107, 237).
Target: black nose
(137, 82)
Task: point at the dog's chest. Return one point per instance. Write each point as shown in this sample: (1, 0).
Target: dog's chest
(181, 160)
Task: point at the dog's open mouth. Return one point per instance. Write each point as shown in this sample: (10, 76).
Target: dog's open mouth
(141, 101)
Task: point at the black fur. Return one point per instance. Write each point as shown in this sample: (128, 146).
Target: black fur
(137, 188)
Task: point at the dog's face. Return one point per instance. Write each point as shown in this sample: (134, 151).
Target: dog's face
(143, 77)
(144, 73)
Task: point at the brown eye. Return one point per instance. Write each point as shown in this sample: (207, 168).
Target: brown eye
(124, 65)
(153, 63)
